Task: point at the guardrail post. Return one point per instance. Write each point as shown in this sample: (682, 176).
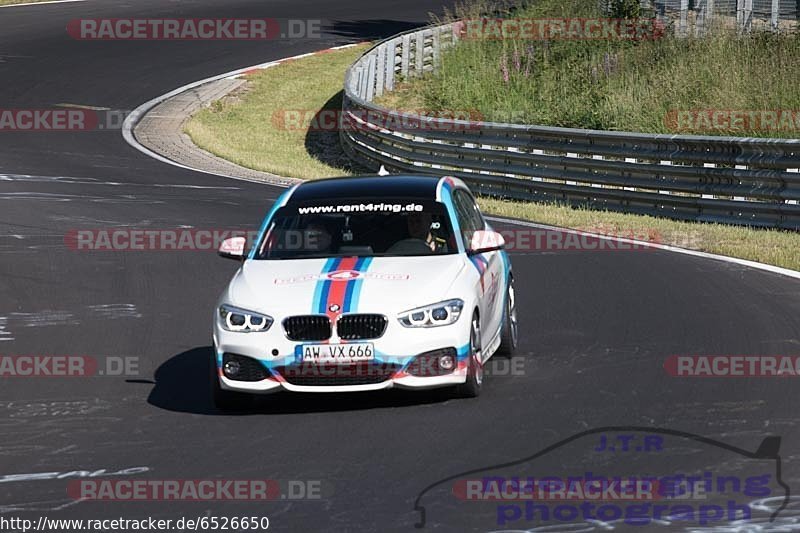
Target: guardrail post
(419, 54)
(391, 59)
(684, 20)
(380, 71)
(405, 57)
(740, 198)
(744, 14)
(776, 13)
(704, 18)
(362, 82)
(663, 191)
(372, 76)
(708, 196)
(748, 15)
(436, 48)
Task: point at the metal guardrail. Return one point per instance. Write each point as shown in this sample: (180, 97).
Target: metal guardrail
(749, 181)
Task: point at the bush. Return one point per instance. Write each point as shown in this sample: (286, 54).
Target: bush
(625, 9)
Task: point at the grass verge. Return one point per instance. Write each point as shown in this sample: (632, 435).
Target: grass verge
(664, 84)
(240, 129)
(265, 126)
(773, 247)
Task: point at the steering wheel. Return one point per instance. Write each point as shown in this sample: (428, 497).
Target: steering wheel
(410, 247)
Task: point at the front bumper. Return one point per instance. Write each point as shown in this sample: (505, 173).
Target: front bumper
(395, 352)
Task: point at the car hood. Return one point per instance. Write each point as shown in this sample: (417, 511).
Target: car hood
(368, 285)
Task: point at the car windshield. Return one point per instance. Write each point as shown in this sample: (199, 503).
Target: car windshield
(358, 227)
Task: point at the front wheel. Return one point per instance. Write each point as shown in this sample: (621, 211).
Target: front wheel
(509, 336)
(472, 387)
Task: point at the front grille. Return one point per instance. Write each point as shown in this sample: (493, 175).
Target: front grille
(360, 327)
(307, 328)
(311, 375)
(249, 368)
(426, 365)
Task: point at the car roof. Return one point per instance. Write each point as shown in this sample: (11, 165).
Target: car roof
(422, 187)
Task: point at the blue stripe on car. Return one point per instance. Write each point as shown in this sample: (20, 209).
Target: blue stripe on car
(324, 286)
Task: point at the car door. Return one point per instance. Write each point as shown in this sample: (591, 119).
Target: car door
(488, 264)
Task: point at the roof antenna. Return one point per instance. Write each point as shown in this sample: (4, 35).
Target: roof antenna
(383, 171)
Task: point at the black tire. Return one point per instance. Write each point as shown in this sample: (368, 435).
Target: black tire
(472, 387)
(509, 336)
(226, 400)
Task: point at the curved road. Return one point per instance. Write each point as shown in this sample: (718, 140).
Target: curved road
(596, 327)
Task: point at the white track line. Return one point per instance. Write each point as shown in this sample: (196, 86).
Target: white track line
(43, 3)
(705, 255)
(139, 112)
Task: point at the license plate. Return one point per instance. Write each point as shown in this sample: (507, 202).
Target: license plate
(339, 354)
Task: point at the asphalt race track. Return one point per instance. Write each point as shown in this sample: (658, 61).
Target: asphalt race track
(596, 326)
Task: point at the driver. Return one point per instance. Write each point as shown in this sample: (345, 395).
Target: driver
(419, 227)
(316, 237)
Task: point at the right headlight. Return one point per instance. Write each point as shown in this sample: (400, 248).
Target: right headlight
(239, 320)
(434, 315)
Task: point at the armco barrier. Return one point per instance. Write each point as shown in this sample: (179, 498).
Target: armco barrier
(733, 180)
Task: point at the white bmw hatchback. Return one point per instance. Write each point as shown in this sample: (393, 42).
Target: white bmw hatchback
(359, 284)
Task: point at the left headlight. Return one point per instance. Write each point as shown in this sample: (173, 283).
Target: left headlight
(239, 320)
(431, 316)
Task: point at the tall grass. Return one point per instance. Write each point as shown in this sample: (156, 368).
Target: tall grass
(611, 84)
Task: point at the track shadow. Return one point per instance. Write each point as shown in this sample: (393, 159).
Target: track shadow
(323, 143)
(368, 29)
(183, 384)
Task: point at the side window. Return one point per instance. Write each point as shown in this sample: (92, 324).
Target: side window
(469, 217)
(477, 218)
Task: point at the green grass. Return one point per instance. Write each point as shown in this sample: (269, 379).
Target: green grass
(614, 85)
(773, 247)
(248, 128)
(240, 129)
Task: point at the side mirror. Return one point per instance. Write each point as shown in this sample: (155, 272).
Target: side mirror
(485, 241)
(233, 248)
